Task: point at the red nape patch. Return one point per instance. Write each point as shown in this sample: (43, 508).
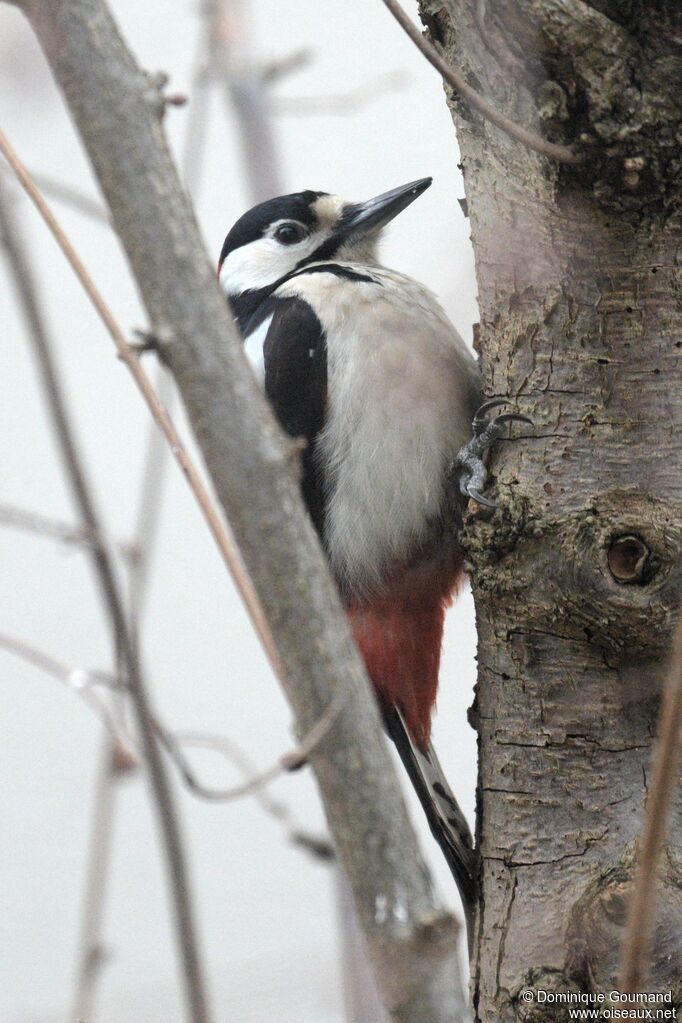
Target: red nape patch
(400, 642)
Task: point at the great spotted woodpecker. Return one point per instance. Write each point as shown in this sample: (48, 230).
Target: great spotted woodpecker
(362, 363)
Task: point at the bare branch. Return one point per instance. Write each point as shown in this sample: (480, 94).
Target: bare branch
(343, 103)
(84, 683)
(562, 154)
(71, 197)
(318, 846)
(276, 70)
(149, 503)
(93, 953)
(122, 748)
(245, 93)
(411, 941)
(54, 529)
(50, 665)
(113, 603)
(664, 781)
(42, 525)
(290, 761)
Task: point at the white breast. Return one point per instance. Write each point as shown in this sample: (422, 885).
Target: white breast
(253, 346)
(401, 390)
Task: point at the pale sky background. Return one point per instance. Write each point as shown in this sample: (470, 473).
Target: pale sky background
(266, 912)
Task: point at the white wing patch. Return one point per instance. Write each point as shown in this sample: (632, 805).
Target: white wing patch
(254, 348)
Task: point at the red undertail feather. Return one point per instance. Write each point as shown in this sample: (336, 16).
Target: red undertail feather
(399, 637)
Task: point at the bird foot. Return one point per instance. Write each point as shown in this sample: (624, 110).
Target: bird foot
(469, 464)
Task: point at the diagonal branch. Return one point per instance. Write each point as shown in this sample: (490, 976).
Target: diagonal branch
(562, 154)
(83, 683)
(411, 941)
(63, 532)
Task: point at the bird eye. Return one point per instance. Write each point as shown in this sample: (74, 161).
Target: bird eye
(289, 234)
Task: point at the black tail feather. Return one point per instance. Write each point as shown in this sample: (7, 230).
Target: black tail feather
(445, 818)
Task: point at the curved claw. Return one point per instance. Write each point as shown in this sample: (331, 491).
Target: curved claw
(491, 403)
(479, 418)
(480, 499)
(512, 417)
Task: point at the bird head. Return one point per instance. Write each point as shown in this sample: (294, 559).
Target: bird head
(285, 234)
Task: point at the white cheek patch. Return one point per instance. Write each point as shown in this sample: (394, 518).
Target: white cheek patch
(254, 348)
(263, 262)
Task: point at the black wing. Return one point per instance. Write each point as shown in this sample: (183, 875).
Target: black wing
(295, 357)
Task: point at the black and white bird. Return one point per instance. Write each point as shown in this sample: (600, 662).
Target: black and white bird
(363, 363)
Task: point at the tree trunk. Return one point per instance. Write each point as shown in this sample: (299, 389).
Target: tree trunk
(576, 576)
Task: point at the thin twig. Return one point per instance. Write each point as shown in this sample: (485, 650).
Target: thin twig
(82, 682)
(92, 951)
(54, 529)
(343, 103)
(113, 604)
(562, 154)
(72, 197)
(123, 750)
(245, 94)
(161, 417)
(317, 845)
(287, 762)
(43, 525)
(50, 665)
(149, 504)
(664, 781)
(275, 70)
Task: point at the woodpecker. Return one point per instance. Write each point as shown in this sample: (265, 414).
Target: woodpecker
(363, 364)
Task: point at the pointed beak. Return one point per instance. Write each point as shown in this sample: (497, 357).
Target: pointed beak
(362, 217)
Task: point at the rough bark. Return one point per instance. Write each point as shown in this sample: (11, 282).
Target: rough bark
(576, 577)
(117, 110)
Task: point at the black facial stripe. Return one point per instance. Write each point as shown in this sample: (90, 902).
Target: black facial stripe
(249, 227)
(251, 307)
(266, 308)
(247, 307)
(327, 250)
(337, 270)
